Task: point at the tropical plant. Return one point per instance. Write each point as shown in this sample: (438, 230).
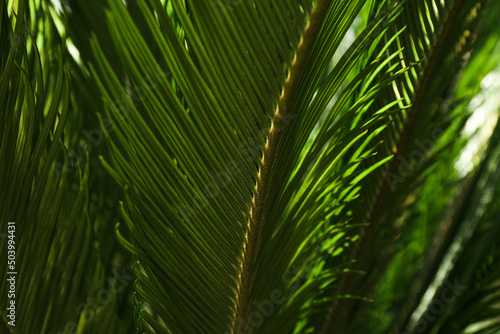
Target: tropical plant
(276, 166)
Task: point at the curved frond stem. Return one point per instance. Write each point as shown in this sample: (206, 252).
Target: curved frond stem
(376, 214)
(441, 244)
(255, 221)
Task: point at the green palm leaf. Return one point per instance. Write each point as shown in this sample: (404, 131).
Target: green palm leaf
(442, 36)
(53, 258)
(276, 166)
(217, 160)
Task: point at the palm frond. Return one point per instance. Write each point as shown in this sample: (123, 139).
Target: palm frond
(445, 37)
(277, 166)
(217, 160)
(48, 241)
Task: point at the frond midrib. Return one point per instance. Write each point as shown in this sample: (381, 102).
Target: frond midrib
(255, 221)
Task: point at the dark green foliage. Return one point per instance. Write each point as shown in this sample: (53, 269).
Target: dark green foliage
(276, 166)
